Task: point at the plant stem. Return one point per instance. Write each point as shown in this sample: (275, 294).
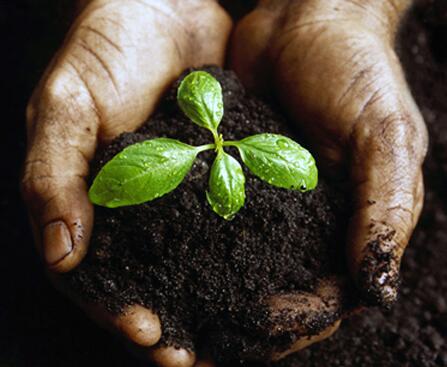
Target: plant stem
(202, 148)
(230, 143)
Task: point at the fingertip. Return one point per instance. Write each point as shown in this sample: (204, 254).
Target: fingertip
(172, 357)
(374, 258)
(378, 280)
(305, 342)
(304, 313)
(61, 217)
(140, 325)
(64, 245)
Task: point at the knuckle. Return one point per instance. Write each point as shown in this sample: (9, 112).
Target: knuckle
(398, 136)
(34, 188)
(51, 98)
(56, 88)
(62, 108)
(405, 135)
(36, 180)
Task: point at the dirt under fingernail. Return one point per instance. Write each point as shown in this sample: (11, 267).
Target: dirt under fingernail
(378, 275)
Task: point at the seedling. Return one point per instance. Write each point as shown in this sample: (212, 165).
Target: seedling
(145, 171)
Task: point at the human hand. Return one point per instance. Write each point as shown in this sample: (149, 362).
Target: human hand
(333, 67)
(118, 59)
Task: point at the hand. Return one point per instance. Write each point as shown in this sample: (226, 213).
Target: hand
(107, 78)
(333, 68)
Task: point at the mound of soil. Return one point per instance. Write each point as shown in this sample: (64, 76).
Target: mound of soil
(200, 273)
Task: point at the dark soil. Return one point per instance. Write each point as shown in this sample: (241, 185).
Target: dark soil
(201, 273)
(40, 328)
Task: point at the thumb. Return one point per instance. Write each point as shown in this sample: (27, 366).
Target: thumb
(387, 144)
(388, 196)
(62, 128)
(100, 83)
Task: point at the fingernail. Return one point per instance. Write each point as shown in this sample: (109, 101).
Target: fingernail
(57, 243)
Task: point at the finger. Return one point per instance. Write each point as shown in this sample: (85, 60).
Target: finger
(248, 46)
(304, 314)
(389, 143)
(379, 233)
(380, 130)
(307, 317)
(137, 324)
(163, 356)
(62, 138)
(303, 343)
(100, 85)
(166, 356)
(141, 329)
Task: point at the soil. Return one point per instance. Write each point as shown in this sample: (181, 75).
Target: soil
(201, 273)
(40, 328)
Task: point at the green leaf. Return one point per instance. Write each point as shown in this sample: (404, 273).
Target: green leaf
(200, 98)
(142, 172)
(226, 193)
(280, 161)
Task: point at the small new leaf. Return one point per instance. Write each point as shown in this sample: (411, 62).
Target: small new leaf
(226, 193)
(142, 172)
(280, 161)
(200, 98)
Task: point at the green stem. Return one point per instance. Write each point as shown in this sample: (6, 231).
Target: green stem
(218, 141)
(202, 148)
(215, 135)
(230, 143)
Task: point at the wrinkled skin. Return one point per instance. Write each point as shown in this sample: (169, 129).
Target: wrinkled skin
(332, 66)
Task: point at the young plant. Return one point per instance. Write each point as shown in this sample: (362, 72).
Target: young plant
(150, 169)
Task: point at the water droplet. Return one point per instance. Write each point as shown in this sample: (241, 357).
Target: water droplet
(283, 143)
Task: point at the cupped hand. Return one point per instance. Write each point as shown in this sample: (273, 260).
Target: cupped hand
(333, 67)
(117, 60)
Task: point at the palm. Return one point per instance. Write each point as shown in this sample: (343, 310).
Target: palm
(337, 75)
